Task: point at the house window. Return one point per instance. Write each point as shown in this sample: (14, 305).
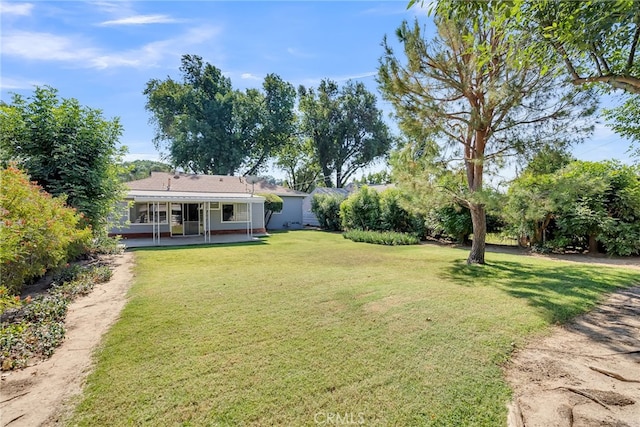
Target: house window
(235, 212)
(146, 213)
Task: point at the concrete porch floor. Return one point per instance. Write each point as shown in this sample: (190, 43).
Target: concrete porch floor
(190, 240)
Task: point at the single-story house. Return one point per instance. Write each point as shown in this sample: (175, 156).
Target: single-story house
(178, 204)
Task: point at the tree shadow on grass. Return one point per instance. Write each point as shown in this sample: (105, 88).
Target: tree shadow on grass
(559, 292)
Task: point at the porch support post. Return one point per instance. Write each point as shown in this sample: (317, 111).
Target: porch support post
(158, 220)
(207, 205)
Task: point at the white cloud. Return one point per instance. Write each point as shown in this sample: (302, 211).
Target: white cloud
(141, 20)
(298, 53)
(129, 157)
(23, 9)
(249, 76)
(44, 46)
(117, 8)
(339, 79)
(81, 54)
(356, 76)
(419, 9)
(8, 83)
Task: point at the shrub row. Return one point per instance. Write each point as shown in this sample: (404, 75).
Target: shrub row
(37, 232)
(33, 328)
(366, 209)
(390, 238)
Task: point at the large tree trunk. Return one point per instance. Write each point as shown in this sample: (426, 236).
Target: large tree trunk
(593, 244)
(327, 177)
(479, 220)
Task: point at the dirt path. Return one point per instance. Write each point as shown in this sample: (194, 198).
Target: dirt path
(39, 395)
(585, 374)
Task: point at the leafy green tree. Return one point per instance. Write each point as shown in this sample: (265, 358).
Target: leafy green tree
(454, 221)
(597, 42)
(584, 204)
(345, 128)
(272, 204)
(210, 128)
(139, 169)
(375, 178)
(67, 148)
(625, 119)
(297, 160)
(465, 93)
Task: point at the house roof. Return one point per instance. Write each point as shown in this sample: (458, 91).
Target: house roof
(190, 196)
(170, 184)
(331, 190)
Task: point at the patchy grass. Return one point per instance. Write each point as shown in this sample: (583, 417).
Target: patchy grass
(309, 326)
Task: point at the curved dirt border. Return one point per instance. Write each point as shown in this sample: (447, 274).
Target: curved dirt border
(40, 394)
(585, 373)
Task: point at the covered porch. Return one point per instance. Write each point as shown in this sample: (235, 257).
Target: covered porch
(168, 218)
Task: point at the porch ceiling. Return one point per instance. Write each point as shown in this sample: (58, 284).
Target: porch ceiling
(191, 197)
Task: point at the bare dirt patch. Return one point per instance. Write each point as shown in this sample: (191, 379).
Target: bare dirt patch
(40, 394)
(584, 374)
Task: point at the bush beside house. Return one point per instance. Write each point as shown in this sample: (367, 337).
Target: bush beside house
(38, 232)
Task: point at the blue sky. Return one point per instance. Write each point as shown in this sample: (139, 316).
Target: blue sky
(104, 52)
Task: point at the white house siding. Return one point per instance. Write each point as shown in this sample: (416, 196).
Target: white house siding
(215, 217)
(290, 218)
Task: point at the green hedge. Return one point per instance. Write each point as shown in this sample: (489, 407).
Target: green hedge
(389, 238)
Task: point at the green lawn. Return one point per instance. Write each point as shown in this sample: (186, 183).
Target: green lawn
(308, 328)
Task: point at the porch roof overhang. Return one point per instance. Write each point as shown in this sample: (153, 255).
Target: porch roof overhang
(191, 197)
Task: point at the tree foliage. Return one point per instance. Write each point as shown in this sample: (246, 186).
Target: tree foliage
(208, 127)
(345, 128)
(67, 148)
(297, 160)
(272, 204)
(597, 41)
(139, 169)
(462, 99)
(585, 205)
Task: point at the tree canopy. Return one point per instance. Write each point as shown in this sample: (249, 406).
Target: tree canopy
(584, 205)
(466, 102)
(208, 127)
(597, 41)
(345, 128)
(69, 149)
(139, 169)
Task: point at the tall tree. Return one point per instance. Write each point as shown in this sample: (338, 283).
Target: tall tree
(597, 41)
(139, 169)
(345, 127)
(464, 90)
(69, 149)
(210, 128)
(297, 160)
